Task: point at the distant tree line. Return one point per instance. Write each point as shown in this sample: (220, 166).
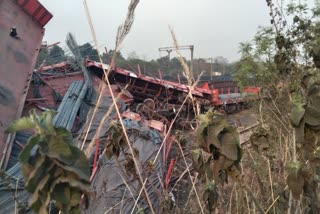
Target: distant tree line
(169, 67)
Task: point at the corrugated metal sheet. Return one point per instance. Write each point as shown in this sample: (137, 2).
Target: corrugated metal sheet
(13, 185)
(20, 140)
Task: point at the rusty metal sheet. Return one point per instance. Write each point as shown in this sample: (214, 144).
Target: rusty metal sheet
(155, 124)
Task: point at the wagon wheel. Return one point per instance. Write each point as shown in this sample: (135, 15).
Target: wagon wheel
(150, 104)
(139, 108)
(158, 105)
(144, 111)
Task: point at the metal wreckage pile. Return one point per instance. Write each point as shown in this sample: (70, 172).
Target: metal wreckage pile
(74, 92)
(146, 105)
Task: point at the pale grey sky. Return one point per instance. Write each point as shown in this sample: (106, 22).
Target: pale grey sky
(214, 27)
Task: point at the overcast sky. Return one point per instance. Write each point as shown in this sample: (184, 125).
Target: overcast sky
(214, 27)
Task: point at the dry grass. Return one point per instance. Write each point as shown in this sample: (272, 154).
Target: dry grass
(123, 30)
(261, 190)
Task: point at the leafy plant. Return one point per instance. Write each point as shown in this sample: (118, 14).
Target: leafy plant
(221, 141)
(298, 175)
(53, 168)
(260, 140)
(116, 141)
(217, 154)
(289, 74)
(210, 196)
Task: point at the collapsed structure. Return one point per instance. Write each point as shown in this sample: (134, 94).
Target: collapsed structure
(147, 106)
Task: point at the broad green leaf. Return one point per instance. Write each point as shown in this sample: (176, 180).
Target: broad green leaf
(35, 196)
(196, 154)
(73, 181)
(75, 197)
(230, 146)
(37, 205)
(65, 153)
(216, 129)
(298, 174)
(227, 163)
(25, 153)
(61, 193)
(75, 210)
(294, 168)
(37, 173)
(64, 135)
(205, 120)
(295, 184)
(312, 115)
(24, 123)
(26, 169)
(115, 140)
(210, 196)
(297, 114)
(60, 150)
(197, 159)
(212, 136)
(215, 136)
(46, 120)
(58, 172)
(80, 167)
(217, 166)
(207, 168)
(260, 140)
(42, 168)
(314, 100)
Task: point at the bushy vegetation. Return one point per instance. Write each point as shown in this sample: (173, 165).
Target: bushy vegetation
(53, 168)
(283, 59)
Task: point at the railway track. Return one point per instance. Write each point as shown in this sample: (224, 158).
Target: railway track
(245, 133)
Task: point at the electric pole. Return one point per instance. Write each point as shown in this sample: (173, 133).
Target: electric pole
(184, 47)
(211, 64)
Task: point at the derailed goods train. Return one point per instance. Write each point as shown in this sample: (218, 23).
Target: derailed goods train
(64, 87)
(160, 99)
(158, 94)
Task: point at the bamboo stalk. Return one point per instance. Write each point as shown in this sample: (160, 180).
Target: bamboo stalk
(120, 37)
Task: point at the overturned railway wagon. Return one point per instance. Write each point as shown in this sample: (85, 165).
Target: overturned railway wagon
(158, 94)
(152, 98)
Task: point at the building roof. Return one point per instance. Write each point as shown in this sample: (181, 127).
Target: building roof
(36, 10)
